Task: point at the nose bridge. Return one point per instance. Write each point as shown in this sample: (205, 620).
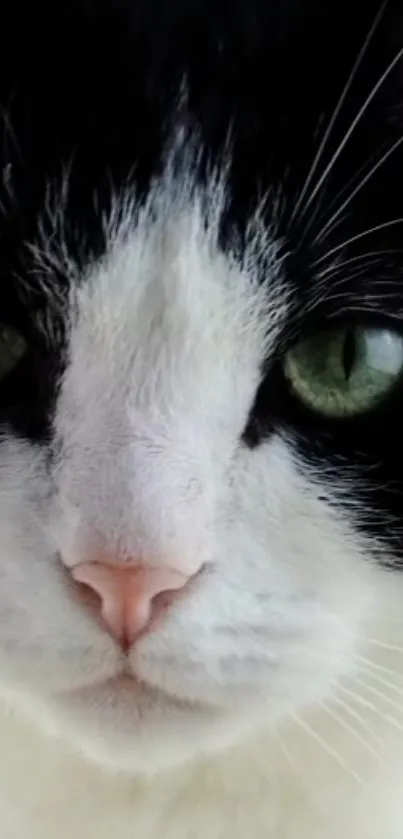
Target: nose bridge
(134, 491)
(135, 470)
(136, 462)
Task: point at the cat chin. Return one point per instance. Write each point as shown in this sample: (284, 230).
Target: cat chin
(123, 725)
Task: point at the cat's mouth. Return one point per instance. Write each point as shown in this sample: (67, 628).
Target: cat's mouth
(125, 682)
(132, 691)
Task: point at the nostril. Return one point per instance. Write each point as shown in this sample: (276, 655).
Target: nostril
(160, 603)
(88, 594)
(87, 597)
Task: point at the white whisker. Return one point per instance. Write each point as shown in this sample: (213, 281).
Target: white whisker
(361, 700)
(381, 680)
(336, 113)
(358, 718)
(326, 747)
(350, 728)
(379, 694)
(359, 173)
(366, 703)
(330, 225)
(392, 64)
(356, 238)
(380, 667)
(360, 258)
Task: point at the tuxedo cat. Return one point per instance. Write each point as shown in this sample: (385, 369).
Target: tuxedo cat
(201, 408)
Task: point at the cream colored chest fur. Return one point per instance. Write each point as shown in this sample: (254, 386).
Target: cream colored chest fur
(275, 787)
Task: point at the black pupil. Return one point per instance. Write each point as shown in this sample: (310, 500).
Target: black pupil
(349, 352)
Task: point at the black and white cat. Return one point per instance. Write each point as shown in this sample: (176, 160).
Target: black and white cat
(201, 391)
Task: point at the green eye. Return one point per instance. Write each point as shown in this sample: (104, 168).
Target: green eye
(12, 349)
(345, 371)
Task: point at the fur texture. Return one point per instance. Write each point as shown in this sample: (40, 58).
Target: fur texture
(189, 189)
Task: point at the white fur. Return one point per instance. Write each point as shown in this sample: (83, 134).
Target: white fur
(256, 715)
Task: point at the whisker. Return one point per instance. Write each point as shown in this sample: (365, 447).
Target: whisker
(361, 257)
(322, 294)
(336, 200)
(362, 700)
(380, 667)
(325, 174)
(353, 276)
(379, 694)
(381, 680)
(350, 728)
(330, 225)
(360, 172)
(356, 238)
(326, 747)
(336, 113)
(357, 717)
(383, 644)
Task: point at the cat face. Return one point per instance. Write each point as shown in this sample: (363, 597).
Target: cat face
(201, 361)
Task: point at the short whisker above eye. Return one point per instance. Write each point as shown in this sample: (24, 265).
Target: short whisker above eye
(331, 223)
(356, 238)
(375, 257)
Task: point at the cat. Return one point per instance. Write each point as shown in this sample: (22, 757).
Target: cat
(201, 381)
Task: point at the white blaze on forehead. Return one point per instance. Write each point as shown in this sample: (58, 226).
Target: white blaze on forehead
(166, 347)
(166, 303)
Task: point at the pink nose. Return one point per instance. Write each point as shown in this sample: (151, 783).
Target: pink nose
(130, 597)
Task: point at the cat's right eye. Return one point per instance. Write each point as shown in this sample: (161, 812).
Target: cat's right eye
(12, 349)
